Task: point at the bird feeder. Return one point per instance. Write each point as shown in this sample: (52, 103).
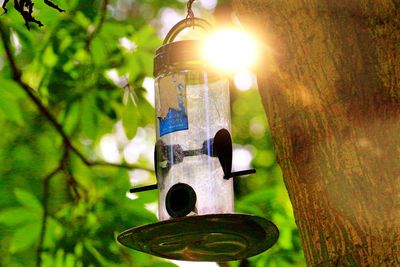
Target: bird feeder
(193, 164)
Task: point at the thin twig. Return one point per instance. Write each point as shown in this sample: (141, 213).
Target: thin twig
(46, 113)
(51, 4)
(25, 8)
(72, 182)
(45, 203)
(96, 30)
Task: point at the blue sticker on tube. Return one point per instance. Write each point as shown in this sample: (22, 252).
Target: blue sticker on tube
(176, 120)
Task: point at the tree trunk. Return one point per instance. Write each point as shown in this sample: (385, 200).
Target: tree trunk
(330, 85)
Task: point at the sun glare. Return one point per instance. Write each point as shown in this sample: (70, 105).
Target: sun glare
(231, 50)
(244, 80)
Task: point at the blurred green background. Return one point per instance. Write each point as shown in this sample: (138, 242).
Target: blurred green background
(91, 67)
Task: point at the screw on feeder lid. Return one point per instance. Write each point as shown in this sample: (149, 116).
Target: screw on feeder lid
(173, 55)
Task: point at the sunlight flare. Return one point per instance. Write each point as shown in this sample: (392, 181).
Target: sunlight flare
(231, 50)
(244, 80)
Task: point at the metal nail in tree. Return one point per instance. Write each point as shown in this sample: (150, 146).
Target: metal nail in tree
(193, 161)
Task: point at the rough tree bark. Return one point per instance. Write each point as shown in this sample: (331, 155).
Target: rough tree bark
(330, 84)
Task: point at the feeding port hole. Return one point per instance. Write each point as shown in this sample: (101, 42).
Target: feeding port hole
(180, 200)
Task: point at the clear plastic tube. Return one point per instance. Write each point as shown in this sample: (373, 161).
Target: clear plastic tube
(191, 107)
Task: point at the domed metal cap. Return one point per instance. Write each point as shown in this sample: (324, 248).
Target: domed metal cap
(213, 237)
(183, 54)
(178, 54)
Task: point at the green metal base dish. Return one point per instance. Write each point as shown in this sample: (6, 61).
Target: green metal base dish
(212, 237)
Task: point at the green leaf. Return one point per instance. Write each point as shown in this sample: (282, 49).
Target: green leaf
(17, 215)
(54, 231)
(132, 66)
(82, 56)
(11, 110)
(114, 30)
(81, 20)
(78, 250)
(10, 92)
(34, 72)
(11, 89)
(69, 260)
(72, 117)
(130, 119)
(146, 110)
(259, 196)
(147, 38)
(89, 116)
(98, 51)
(49, 57)
(96, 254)
(285, 238)
(28, 199)
(59, 260)
(24, 237)
(146, 60)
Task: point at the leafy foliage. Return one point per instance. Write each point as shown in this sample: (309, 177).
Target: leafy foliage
(81, 70)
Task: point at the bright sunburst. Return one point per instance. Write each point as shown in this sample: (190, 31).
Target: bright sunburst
(231, 50)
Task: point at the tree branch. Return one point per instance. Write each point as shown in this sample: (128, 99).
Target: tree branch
(71, 180)
(51, 4)
(96, 30)
(46, 113)
(46, 183)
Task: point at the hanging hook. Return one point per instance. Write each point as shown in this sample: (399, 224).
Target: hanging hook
(190, 14)
(183, 24)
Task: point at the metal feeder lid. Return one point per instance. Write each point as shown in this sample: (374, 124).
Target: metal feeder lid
(212, 237)
(180, 54)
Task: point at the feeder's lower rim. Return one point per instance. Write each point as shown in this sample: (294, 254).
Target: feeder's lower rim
(211, 237)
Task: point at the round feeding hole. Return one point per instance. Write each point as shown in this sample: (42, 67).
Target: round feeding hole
(180, 200)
